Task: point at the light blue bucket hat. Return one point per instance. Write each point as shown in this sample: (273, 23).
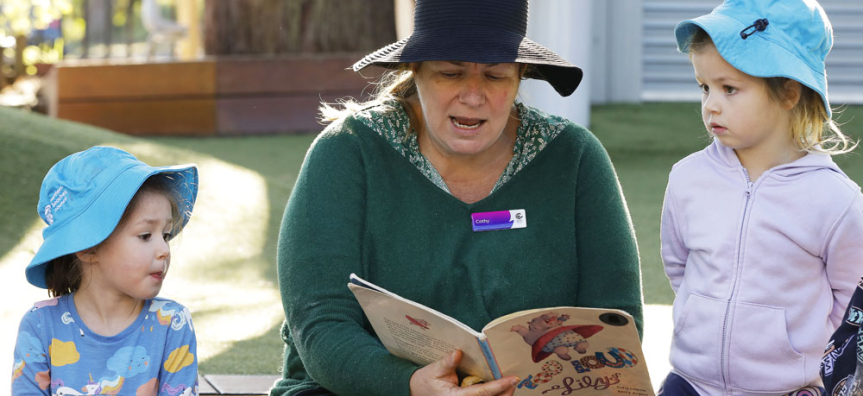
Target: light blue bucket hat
(84, 196)
(769, 38)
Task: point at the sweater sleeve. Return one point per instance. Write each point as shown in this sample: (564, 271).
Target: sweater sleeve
(31, 362)
(180, 363)
(605, 238)
(674, 253)
(320, 245)
(843, 255)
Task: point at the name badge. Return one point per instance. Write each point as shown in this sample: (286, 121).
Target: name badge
(499, 220)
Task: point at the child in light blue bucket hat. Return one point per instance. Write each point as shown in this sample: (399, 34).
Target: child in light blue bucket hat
(760, 230)
(104, 257)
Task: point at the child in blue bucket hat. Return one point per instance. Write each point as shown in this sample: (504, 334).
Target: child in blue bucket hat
(760, 230)
(104, 257)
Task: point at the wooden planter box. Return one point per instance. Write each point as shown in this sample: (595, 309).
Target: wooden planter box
(219, 96)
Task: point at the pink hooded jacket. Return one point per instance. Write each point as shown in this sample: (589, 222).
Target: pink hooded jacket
(763, 270)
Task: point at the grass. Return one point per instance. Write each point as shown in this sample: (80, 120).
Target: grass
(225, 259)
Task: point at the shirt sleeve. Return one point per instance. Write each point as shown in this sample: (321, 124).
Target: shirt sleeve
(320, 245)
(843, 257)
(607, 251)
(179, 369)
(674, 253)
(31, 363)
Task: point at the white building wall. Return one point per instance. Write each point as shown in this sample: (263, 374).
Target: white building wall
(667, 74)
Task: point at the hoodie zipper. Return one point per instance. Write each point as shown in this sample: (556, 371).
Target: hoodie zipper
(722, 356)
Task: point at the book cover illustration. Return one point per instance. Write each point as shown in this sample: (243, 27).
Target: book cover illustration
(556, 354)
(555, 351)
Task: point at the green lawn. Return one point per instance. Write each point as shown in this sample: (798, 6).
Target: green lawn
(224, 260)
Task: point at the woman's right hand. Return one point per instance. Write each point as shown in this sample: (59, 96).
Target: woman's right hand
(440, 378)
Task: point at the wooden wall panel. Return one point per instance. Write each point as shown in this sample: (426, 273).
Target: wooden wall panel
(126, 81)
(304, 74)
(228, 96)
(151, 117)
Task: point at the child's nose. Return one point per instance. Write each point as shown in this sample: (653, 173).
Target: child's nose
(163, 251)
(710, 104)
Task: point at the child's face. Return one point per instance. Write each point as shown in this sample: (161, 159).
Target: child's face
(737, 109)
(134, 260)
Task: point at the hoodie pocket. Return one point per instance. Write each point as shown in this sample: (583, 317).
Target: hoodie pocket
(695, 347)
(761, 356)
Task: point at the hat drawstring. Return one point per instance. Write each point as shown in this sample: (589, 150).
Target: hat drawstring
(758, 26)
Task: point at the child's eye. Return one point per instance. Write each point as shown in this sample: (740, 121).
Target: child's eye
(494, 77)
(166, 236)
(448, 74)
(145, 236)
(729, 90)
(704, 88)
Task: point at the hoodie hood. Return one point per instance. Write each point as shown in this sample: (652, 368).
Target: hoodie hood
(725, 157)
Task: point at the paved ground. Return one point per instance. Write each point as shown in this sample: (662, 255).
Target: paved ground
(658, 329)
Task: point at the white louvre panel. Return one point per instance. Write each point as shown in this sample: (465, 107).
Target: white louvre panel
(667, 74)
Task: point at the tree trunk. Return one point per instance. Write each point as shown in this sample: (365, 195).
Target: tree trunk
(269, 27)
(20, 44)
(85, 41)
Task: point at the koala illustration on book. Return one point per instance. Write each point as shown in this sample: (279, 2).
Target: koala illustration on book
(546, 334)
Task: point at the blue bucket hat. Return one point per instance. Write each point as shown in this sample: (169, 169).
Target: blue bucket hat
(84, 196)
(768, 38)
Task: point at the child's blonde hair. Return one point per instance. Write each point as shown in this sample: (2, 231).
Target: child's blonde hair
(811, 128)
(63, 275)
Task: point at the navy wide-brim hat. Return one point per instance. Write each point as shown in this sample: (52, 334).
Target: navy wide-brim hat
(788, 38)
(479, 31)
(84, 195)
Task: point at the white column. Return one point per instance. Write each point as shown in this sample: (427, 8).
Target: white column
(565, 27)
(404, 10)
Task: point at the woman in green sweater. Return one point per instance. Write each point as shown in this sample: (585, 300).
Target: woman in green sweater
(398, 190)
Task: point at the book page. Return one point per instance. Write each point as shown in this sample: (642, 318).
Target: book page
(571, 351)
(420, 334)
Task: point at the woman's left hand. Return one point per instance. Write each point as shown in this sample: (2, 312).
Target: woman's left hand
(440, 378)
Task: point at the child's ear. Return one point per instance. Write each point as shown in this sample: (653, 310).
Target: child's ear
(87, 256)
(793, 91)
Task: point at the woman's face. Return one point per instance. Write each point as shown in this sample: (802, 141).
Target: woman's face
(465, 106)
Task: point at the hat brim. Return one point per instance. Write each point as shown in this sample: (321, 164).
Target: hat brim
(98, 220)
(748, 55)
(481, 47)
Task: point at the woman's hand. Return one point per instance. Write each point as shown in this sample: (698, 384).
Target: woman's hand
(440, 378)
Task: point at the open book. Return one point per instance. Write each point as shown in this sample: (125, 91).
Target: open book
(555, 351)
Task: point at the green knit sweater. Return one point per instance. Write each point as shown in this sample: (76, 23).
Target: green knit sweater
(360, 206)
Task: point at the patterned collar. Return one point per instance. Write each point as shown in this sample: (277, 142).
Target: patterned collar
(391, 121)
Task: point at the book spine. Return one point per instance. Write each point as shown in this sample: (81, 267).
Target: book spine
(489, 357)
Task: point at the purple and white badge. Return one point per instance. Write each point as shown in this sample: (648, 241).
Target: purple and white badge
(499, 220)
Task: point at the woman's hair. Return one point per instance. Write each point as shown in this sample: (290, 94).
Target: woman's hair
(63, 275)
(811, 128)
(394, 84)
